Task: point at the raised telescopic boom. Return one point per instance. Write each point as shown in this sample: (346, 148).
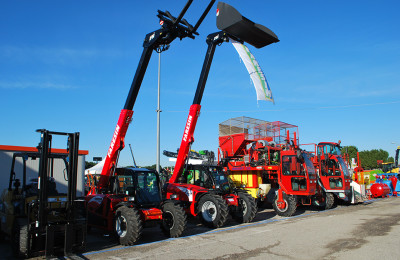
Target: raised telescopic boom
(171, 28)
(232, 25)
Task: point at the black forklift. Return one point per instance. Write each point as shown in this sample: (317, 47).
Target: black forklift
(43, 215)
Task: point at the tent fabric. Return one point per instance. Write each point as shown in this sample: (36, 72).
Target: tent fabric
(96, 169)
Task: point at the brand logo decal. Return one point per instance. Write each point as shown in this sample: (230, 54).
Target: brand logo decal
(114, 139)
(187, 128)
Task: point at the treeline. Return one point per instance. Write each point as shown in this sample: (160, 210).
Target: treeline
(369, 159)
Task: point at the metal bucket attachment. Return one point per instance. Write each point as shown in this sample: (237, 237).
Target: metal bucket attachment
(233, 23)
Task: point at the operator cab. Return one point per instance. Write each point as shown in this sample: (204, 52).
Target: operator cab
(208, 176)
(139, 184)
(329, 148)
(300, 170)
(387, 167)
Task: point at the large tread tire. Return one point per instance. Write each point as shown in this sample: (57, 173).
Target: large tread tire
(329, 200)
(213, 211)
(246, 210)
(127, 225)
(326, 202)
(173, 223)
(291, 205)
(20, 238)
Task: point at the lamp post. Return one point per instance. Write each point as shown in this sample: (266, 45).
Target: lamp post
(159, 50)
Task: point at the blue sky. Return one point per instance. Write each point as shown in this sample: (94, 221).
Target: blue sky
(68, 66)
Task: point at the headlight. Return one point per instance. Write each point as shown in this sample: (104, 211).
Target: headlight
(131, 199)
(173, 196)
(217, 187)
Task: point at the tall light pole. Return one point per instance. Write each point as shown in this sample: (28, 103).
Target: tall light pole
(159, 50)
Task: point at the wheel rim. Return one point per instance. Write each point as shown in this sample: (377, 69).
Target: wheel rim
(209, 211)
(120, 226)
(244, 207)
(168, 220)
(278, 206)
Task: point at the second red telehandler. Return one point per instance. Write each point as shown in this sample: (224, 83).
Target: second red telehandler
(196, 200)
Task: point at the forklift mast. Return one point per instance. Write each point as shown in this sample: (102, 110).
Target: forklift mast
(44, 149)
(171, 28)
(232, 25)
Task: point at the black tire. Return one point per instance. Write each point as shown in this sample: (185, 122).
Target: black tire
(291, 205)
(173, 222)
(213, 210)
(325, 200)
(127, 225)
(329, 200)
(247, 209)
(1, 234)
(19, 238)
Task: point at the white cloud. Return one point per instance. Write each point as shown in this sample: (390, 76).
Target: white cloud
(37, 85)
(59, 55)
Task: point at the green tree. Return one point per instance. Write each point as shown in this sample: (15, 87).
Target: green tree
(89, 165)
(351, 150)
(369, 158)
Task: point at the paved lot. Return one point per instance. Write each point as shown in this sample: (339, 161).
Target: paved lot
(364, 231)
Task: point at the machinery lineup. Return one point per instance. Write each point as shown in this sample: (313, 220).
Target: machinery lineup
(259, 163)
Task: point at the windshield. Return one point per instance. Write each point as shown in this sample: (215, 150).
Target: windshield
(329, 149)
(209, 177)
(310, 166)
(387, 167)
(344, 168)
(291, 165)
(144, 187)
(219, 176)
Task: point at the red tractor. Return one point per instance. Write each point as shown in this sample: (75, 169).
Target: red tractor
(203, 171)
(124, 199)
(333, 175)
(265, 158)
(197, 200)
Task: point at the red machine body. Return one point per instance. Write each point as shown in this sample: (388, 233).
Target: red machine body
(187, 140)
(267, 153)
(116, 145)
(379, 190)
(333, 175)
(394, 184)
(188, 194)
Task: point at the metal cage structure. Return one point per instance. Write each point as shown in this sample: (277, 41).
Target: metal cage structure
(256, 129)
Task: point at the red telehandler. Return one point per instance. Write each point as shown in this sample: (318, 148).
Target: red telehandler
(333, 175)
(124, 199)
(197, 200)
(265, 157)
